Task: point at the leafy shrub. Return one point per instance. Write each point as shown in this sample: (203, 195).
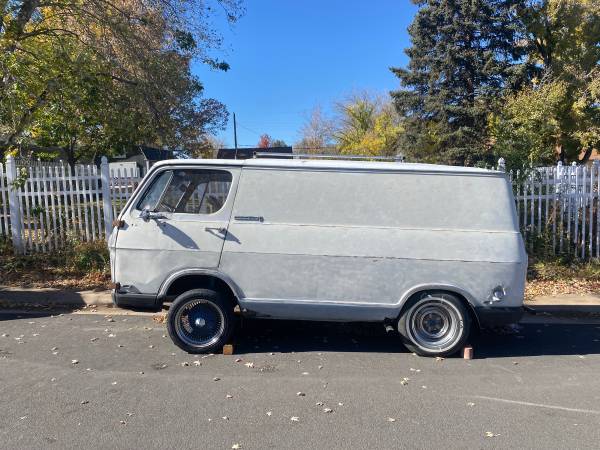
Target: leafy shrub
(88, 256)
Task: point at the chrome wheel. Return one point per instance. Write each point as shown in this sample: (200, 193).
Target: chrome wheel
(434, 324)
(199, 323)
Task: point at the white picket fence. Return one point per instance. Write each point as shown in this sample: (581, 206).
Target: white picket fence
(44, 206)
(48, 205)
(558, 209)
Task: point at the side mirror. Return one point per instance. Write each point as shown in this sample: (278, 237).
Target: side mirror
(147, 215)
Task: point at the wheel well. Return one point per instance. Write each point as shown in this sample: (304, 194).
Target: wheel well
(198, 281)
(463, 300)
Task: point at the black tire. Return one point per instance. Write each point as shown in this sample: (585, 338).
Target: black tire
(212, 321)
(434, 324)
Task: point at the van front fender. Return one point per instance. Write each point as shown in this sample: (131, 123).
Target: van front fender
(164, 288)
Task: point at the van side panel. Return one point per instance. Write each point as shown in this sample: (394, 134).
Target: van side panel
(350, 245)
(418, 200)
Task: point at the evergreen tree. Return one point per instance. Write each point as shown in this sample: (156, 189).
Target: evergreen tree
(465, 54)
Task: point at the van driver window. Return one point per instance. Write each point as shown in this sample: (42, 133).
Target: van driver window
(188, 192)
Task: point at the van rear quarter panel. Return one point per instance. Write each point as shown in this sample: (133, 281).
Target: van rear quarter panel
(353, 245)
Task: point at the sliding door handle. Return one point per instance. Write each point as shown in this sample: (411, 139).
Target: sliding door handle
(250, 218)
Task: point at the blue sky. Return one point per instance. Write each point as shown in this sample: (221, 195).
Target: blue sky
(287, 56)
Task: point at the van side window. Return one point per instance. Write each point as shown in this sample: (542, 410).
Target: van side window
(188, 191)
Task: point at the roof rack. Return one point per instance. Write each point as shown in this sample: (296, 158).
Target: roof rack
(397, 158)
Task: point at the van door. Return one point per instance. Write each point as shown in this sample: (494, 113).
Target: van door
(179, 221)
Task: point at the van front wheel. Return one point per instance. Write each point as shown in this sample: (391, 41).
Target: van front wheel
(435, 324)
(200, 321)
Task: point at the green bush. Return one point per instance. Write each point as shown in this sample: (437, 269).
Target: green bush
(88, 256)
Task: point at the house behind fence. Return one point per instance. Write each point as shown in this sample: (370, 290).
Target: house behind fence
(43, 206)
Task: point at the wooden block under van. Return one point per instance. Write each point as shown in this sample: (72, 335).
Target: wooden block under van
(228, 349)
(468, 352)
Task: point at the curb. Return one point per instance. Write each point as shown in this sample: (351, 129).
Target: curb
(565, 311)
(53, 297)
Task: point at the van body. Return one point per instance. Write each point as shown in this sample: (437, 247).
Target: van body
(322, 240)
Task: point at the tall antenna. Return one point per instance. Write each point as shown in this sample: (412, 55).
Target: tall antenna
(235, 135)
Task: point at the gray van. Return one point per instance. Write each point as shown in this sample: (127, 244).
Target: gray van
(431, 250)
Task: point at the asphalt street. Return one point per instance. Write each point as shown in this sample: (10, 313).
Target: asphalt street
(90, 381)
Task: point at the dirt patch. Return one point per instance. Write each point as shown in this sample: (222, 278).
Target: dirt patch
(538, 288)
(58, 279)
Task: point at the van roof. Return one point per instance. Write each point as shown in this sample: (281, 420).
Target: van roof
(332, 164)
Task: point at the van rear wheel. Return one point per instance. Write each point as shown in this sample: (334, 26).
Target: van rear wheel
(200, 321)
(435, 324)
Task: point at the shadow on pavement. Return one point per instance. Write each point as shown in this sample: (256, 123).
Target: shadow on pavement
(41, 302)
(526, 340)
(541, 339)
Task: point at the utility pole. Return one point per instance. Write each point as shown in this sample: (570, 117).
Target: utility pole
(235, 134)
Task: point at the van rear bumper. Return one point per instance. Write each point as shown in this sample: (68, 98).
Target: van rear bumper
(494, 317)
(136, 301)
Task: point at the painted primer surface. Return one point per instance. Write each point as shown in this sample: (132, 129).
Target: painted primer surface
(339, 243)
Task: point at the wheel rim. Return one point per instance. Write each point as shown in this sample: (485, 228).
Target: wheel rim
(199, 323)
(434, 324)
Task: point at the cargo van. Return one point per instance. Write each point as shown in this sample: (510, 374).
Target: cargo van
(432, 251)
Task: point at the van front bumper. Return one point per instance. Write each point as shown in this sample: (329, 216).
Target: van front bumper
(135, 301)
(495, 317)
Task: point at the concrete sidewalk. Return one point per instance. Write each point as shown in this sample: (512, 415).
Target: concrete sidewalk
(566, 303)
